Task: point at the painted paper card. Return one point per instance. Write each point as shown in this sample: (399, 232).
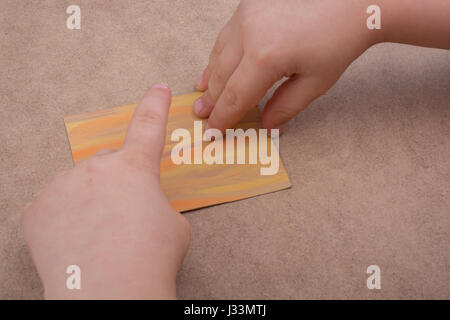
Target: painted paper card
(187, 186)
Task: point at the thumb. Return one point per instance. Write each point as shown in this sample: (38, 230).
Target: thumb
(147, 130)
(294, 95)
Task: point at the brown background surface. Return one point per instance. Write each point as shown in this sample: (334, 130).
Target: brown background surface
(369, 161)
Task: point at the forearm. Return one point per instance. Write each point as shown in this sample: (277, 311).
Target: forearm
(416, 22)
(118, 287)
(141, 276)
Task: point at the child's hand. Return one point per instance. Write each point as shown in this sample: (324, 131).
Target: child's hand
(109, 216)
(312, 42)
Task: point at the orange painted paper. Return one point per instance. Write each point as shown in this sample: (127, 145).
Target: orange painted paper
(187, 186)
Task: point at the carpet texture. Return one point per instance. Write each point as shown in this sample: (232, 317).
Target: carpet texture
(369, 162)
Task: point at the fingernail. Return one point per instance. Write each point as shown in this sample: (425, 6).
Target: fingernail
(198, 106)
(160, 86)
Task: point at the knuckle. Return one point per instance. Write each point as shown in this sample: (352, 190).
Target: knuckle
(148, 116)
(214, 86)
(93, 167)
(230, 99)
(263, 57)
(217, 77)
(139, 162)
(207, 99)
(216, 51)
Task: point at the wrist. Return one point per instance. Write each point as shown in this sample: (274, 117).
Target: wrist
(415, 22)
(375, 35)
(118, 282)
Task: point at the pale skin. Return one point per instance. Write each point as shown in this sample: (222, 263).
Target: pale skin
(109, 216)
(310, 41)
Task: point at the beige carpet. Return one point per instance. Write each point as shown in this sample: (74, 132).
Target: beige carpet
(369, 161)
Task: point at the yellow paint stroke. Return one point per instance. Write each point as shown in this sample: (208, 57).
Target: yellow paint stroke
(187, 186)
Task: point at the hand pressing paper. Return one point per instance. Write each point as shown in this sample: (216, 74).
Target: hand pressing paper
(194, 173)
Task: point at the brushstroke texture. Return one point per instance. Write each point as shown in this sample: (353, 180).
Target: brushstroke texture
(187, 186)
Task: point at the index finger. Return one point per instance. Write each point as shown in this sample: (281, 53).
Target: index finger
(147, 130)
(244, 89)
